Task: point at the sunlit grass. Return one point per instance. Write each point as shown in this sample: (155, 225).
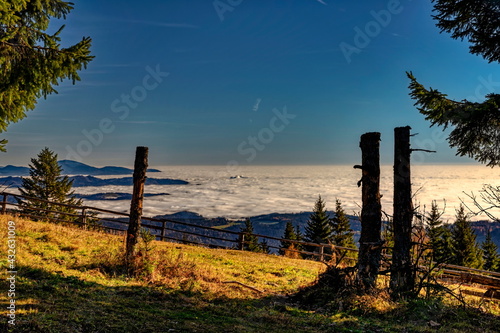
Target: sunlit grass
(71, 280)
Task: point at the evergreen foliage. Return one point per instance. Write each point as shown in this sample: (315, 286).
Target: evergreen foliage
(476, 131)
(490, 253)
(45, 182)
(318, 229)
(32, 62)
(388, 235)
(475, 20)
(251, 241)
(288, 234)
(466, 251)
(341, 228)
(288, 249)
(264, 247)
(439, 235)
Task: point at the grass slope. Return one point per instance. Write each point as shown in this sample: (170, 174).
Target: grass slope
(71, 280)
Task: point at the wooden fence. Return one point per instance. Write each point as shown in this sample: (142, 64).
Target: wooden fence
(190, 233)
(163, 229)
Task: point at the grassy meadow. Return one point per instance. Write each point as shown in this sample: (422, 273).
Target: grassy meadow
(70, 280)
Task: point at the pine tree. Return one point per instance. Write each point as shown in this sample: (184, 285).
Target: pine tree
(475, 126)
(251, 241)
(439, 235)
(341, 228)
(466, 251)
(288, 249)
(300, 238)
(388, 236)
(490, 253)
(342, 234)
(298, 233)
(264, 247)
(32, 61)
(46, 183)
(318, 229)
(290, 235)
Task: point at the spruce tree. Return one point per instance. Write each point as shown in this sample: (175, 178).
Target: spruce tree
(264, 247)
(318, 229)
(300, 238)
(251, 241)
(466, 251)
(388, 235)
(475, 125)
(288, 249)
(342, 234)
(439, 235)
(32, 61)
(490, 253)
(45, 182)
(290, 235)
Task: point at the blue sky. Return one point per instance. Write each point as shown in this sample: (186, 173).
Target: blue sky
(249, 82)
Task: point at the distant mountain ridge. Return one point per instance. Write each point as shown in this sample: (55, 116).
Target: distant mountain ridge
(72, 168)
(82, 181)
(274, 224)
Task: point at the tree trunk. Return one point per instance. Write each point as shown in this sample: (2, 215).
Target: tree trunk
(402, 274)
(370, 242)
(140, 167)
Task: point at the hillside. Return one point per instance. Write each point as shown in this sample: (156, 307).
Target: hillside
(83, 181)
(72, 168)
(71, 280)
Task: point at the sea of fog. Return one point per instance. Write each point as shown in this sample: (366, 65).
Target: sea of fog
(255, 190)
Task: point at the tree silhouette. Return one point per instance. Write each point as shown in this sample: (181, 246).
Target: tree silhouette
(476, 131)
(490, 253)
(466, 251)
(45, 182)
(32, 61)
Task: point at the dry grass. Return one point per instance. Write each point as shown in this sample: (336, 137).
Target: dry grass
(70, 280)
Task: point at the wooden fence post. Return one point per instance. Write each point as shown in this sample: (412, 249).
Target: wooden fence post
(140, 167)
(163, 231)
(4, 204)
(241, 244)
(402, 275)
(84, 218)
(370, 242)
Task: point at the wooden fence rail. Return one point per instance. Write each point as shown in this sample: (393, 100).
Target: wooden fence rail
(157, 227)
(162, 231)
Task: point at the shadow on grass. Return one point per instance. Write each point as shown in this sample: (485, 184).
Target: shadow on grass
(50, 302)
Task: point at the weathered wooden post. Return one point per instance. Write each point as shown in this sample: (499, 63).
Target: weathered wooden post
(84, 218)
(241, 241)
(4, 204)
(163, 230)
(402, 274)
(140, 167)
(370, 242)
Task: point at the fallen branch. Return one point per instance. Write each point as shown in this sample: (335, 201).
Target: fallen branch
(245, 285)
